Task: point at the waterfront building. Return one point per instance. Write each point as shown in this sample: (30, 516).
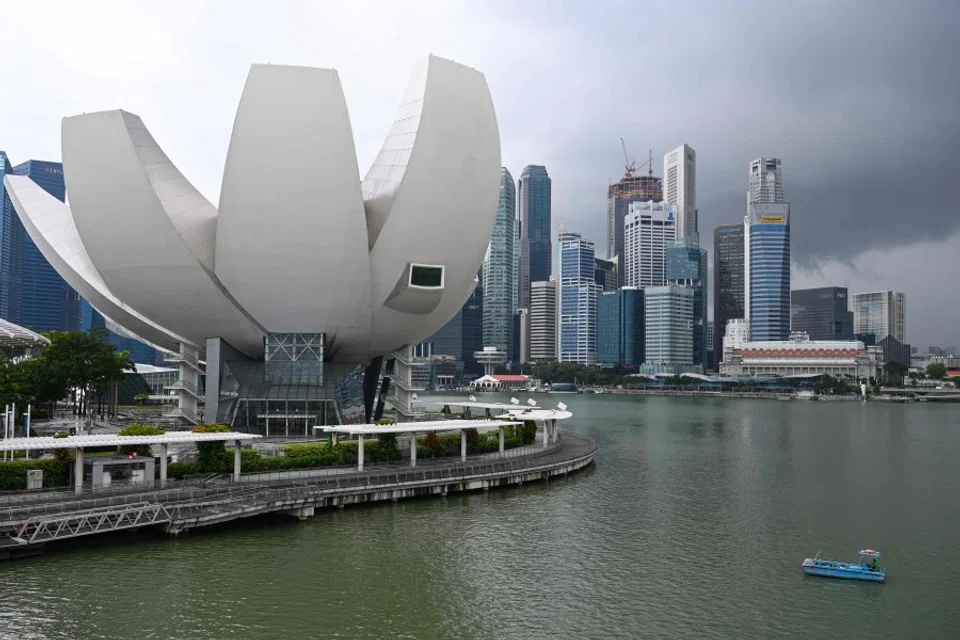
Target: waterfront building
(620, 195)
(799, 355)
(686, 266)
(728, 284)
(680, 187)
(543, 321)
(32, 293)
(534, 193)
(668, 327)
(605, 274)
(648, 228)
(767, 253)
(298, 317)
(735, 336)
(620, 327)
(498, 274)
(821, 313)
(578, 300)
(882, 313)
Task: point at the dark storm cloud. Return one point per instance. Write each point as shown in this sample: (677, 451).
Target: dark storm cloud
(860, 99)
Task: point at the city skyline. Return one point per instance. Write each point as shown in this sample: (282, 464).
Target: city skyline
(781, 106)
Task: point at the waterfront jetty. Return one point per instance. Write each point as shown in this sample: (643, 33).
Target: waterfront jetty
(31, 520)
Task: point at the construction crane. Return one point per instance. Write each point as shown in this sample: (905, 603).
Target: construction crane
(630, 166)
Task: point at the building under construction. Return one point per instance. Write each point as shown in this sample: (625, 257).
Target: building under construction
(630, 188)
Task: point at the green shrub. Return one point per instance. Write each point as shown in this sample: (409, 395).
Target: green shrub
(430, 446)
(385, 448)
(61, 435)
(212, 456)
(135, 429)
(13, 475)
(529, 432)
(312, 455)
(180, 470)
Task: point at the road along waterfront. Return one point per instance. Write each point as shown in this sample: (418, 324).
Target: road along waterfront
(693, 523)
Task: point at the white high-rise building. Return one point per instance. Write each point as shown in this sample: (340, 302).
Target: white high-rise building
(543, 321)
(766, 181)
(882, 313)
(647, 230)
(680, 187)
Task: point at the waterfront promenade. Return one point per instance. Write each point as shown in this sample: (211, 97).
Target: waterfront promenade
(30, 520)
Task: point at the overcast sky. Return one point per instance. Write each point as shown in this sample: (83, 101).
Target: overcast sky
(860, 99)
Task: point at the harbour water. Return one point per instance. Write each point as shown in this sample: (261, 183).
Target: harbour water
(693, 524)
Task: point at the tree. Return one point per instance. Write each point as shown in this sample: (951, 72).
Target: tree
(936, 370)
(894, 373)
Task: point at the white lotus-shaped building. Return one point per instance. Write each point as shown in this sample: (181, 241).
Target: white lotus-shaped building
(301, 253)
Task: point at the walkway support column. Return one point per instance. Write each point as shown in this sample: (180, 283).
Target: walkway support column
(236, 461)
(413, 450)
(463, 445)
(163, 465)
(546, 431)
(78, 471)
(360, 453)
(501, 429)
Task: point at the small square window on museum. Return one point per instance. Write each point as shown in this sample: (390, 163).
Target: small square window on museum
(426, 276)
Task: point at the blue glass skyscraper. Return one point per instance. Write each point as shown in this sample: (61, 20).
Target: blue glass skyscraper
(533, 190)
(499, 273)
(767, 249)
(140, 352)
(620, 327)
(32, 293)
(578, 300)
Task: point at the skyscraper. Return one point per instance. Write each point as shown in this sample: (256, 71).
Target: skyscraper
(534, 212)
(882, 313)
(680, 187)
(499, 284)
(605, 274)
(32, 293)
(648, 228)
(620, 195)
(687, 267)
(767, 253)
(578, 300)
(669, 327)
(728, 285)
(543, 321)
(620, 327)
(460, 337)
(821, 313)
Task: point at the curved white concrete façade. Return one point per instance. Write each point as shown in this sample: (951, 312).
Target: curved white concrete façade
(124, 199)
(291, 235)
(431, 196)
(51, 227)
(300, 244)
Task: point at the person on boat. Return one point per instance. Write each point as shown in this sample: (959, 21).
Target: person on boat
(873, 565)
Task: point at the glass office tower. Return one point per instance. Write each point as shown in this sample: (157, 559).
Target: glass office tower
(534, 194)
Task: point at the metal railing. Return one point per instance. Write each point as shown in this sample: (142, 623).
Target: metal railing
(272, 494)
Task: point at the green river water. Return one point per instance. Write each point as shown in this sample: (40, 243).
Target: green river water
(693, 523)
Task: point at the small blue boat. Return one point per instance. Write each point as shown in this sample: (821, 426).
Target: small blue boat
(862, 570)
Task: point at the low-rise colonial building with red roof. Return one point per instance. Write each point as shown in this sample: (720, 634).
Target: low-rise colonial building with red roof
(800, 355)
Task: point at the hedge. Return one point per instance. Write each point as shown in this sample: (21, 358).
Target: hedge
(13, 475)
(136, 429)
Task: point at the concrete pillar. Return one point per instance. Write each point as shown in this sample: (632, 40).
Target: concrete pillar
(163, 466)
(334, 438)
(360, 453)
(502, 442)
(546, 431)
(78, 472)
(463, 445)
(236, 461)
(413, 450)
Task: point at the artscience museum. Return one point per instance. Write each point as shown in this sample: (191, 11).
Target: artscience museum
(295, 301)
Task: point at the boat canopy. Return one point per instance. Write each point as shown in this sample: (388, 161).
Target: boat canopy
(870, 552)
